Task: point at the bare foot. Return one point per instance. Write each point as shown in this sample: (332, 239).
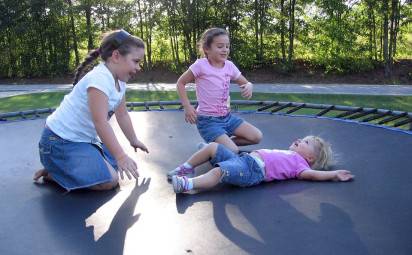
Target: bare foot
(42, 173)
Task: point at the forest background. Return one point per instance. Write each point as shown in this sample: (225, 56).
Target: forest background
(353, 41)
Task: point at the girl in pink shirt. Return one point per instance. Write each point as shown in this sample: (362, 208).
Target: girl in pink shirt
(212, 75)
(247, 169)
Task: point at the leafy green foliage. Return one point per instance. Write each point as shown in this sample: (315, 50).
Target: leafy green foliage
(49, 38)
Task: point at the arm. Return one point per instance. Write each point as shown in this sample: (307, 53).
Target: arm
(98, 106)
(190, 112)
(246, 87)
(315, 175)
(125, 123)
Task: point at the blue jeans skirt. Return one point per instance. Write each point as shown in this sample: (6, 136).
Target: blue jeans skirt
(240, 170)
(210, 127)
(74, 165)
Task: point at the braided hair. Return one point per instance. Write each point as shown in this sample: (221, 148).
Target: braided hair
(114, 40)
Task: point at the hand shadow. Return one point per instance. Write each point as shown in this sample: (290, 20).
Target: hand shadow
(112, 242)
(66, 219)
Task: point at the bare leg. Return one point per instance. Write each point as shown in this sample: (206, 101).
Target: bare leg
(247, 134)
(108, 185)
(42, 173)
(203, 155)
(228, 142)
(208, 180)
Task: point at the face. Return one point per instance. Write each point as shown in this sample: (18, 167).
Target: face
(218, 51)
(305, 147)
(128, 65)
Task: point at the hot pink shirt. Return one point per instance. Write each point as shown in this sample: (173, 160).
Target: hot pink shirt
(212, 86)
(282, 164)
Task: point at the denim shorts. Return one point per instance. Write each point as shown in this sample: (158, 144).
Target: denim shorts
(210, 127)
(74, 165)
(240, 170)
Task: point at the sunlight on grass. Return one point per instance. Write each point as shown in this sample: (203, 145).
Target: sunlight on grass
(53, 99)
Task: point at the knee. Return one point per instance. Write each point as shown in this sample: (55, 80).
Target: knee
(217, 173)
(105, 186)
(257, 137)
(235, 149)
(110, 185)
(212, 147)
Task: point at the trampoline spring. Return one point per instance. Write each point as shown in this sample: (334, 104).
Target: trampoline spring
(296, 108)
(22, 115)
(359, 115)
(281, 107)
(326, 110)
(235, 107)
(403, 122)
(267, 106)
(377, 116)
(339, 116)
(392, 118)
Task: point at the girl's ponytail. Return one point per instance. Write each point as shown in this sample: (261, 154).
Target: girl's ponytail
(91, 57)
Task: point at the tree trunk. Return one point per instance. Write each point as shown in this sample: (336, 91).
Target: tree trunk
(370, 24)
(282, 30)
(386, 58)
(392, 31)
(374, 36)
(141, 31)
(88, 11)
(291, 30)
(74, 36)
(256, 21)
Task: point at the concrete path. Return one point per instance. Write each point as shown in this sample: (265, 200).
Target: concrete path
(7, 90)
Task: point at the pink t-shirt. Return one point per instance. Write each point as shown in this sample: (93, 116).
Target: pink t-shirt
(282, 164)
(212, 86)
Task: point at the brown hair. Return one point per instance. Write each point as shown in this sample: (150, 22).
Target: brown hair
(114, 40)
(208, 36)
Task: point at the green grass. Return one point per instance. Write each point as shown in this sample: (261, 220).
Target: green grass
(53, 99)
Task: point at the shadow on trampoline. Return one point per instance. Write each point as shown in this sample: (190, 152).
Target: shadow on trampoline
(68, 216)
(238, 217)
(371, 215)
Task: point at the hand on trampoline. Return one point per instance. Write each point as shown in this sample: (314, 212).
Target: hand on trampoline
(190, 114)
(139, 145)
(127, 165)
(343, 175)
(246, 90)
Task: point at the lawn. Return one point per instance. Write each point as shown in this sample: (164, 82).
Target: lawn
(52, 99)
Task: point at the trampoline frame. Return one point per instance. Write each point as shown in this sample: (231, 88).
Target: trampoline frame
(381, 117)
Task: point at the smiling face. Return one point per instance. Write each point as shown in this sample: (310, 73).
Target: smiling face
(218, 51)
(126, 66)
(306, 147)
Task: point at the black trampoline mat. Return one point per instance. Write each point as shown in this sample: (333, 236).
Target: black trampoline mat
(371, 215)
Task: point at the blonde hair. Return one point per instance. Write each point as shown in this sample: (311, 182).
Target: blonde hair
(323, 152)
(207, 38)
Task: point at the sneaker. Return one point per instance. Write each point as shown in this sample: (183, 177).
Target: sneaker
(201, 145)
(181, 171)
(180, 184)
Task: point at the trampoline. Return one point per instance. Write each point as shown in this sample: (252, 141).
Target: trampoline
(370, 215)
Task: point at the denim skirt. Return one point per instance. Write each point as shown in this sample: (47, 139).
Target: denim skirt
(210, 127)
(74, 165)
